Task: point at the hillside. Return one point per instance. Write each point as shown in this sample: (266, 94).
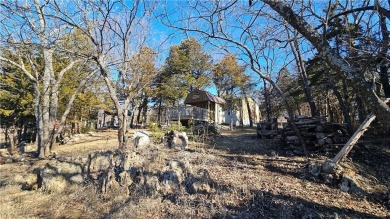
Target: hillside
(238, 176)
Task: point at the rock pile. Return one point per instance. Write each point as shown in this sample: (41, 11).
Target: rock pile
(334, 174)
(316, 132)
(112, 171)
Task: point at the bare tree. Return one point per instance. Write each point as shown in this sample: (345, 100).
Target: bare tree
(352, 73)
(118, 31)
(33, 37)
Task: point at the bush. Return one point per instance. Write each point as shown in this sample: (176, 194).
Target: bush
(157, 133)
(87, 129)
(177, 127)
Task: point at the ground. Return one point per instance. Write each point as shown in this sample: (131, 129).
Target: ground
(249, 178)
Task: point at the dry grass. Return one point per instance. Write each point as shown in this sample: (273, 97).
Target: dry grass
(247, 180)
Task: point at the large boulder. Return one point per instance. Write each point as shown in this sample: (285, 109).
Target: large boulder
(140, 139)
(57, 175)
(104, 169)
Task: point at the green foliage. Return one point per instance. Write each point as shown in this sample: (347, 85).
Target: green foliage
(229, 76)
(16, 99)
(87, 129)
(187, 68)
(157, 133)
(176, 126)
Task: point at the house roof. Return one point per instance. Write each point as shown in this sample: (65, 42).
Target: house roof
(198, 96)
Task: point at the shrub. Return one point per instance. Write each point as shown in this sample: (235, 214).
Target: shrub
(157, 133)
(87, 129)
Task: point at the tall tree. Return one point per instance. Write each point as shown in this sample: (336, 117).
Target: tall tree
(187, 68)
(229, 78)
(30, 32)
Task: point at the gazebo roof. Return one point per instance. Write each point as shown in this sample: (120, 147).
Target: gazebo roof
(199, 96)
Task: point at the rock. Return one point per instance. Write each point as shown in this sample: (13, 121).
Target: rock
(199, 183)
(29, 182)
(53, 183)
(99, 162)
(4, 152)
(78, 178)
(9, 160)
(172, 176)
(329, 167)
(76, 139)
(152, 185)
(132, 159)
(57, 175)
(328, 178)
(65, 140)
(315, 169)
(107, 182)
(184, 140)
(125, 179)
(141, 139)
(177, 139)
(344, 186)
(199, 187)
(350, 183)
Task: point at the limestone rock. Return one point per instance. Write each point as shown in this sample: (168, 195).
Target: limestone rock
(152, 185)
(315, 169)
(329, 167)
(141, 139)
(57, 175)
(328, 178)
(53, 183)
(177, 140)
(132, 159)
(199, 183)
(172, 176)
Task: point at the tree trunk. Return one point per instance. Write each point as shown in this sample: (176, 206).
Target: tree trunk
(132, 120)
(139, 114)
(159, 110)
(343, 105)
(302, 70)
(12, 139)
(145, 111)
(384, 56)
(362, 114)
(46, 120)
(122, 130)
(268, 110)
(384, 78)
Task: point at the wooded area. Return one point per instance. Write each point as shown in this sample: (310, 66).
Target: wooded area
(324, 66)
